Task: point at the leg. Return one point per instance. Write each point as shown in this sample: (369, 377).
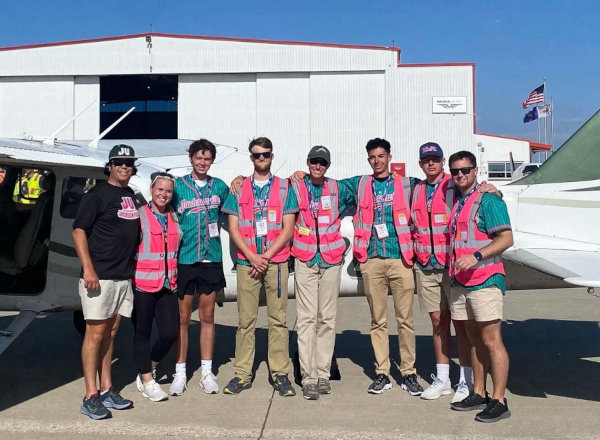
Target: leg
(276, 281)
(90, 353)
(206, 313)
(440, 322)
(463, 344)
(106, 352)
(185, 312)
(329, 290)
(145, 306)
(306, 282)
(479, 357)
(402, 286)
(167, 324)
(491, 337)
(247, 304)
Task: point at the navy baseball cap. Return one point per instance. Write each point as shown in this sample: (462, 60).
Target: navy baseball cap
(430, 149)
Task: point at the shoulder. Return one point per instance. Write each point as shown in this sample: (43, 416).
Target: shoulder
(491, 200)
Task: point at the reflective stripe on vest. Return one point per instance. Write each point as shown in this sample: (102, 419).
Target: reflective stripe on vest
(150, 257)
(468, 239)
(364, 218)
(276, 202)
(331, 244)
(432, 227)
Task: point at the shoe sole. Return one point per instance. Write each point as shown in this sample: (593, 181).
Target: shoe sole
(442, 393)
(93, 416)
(504, 415)
(115, 406)
(209, 391)
(311, 397)
(286, 393)
(412, 393)
(385, 387)
(228, 391)
(470, 408)
(325, 391)
(155, 399)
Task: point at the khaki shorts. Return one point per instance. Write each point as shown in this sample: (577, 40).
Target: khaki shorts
(479, 305)
(115, 297)
(433, 289)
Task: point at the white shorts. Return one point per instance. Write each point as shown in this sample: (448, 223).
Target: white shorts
(115, 297)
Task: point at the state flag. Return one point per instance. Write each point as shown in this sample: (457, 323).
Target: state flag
(531, 115)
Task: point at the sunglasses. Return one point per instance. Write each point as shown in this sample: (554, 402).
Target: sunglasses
(318, 161)
(463, 170)
(120, 162)
(266, 155)
(431, 159)
(161, 175)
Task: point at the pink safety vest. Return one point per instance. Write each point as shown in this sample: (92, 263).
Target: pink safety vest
(150, 257)
(330, 243)
(365, 217)
(468, 239)
(431, 234)
(246, 222)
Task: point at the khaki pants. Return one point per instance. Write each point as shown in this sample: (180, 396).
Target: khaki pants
(317, 291)
(380, 276)
(248, 290)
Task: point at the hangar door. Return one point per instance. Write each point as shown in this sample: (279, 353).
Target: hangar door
(154, 98)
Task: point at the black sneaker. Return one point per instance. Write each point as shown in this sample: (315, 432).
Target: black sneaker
(493, 412)
(323, 386)
(93, 408)
(236, 386)
(310, 391)
(471, 402)
(112, 399)
(284, 386)
(410, 384)
(380, 384)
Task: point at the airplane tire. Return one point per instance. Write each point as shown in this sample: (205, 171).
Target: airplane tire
(79, 322)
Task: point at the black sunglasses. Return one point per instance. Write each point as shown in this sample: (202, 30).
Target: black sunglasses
(127, 162)
(431, 159)
(266, 155)
(463, 170)
(318, 161)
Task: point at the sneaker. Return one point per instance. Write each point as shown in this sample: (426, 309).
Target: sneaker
(410, 384)
(139, 384)
(209, 383)
(284, 386)
(323, 386)
(461, 393)
(437, 389)
(471, 402)
(310, 391)
(93, 408)
(493, 412)
(154, 392)
(179, 384)
(112, 399)
(380, 384)
(236, 386)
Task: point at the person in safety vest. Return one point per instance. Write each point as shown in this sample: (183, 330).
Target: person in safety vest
(27, 188)
(106, 235)
(155, 284)
(432, 201)
(319, 250)
(480, 231)
(261, 224)
(197, 200)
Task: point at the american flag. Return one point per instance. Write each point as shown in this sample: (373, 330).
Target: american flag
(536, 95)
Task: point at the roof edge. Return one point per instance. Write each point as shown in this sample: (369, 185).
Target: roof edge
(532, 144)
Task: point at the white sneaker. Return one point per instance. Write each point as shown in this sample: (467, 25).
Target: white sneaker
(209, 383)
(154, 392)
(179, 384)
(437, 389)
(139, 384)
(462, 392)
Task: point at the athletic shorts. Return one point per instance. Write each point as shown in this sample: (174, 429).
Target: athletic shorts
(478, 305)
(433, 289)
(115, 297)
(201, 278)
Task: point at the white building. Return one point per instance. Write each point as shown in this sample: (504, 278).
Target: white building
(232, 90)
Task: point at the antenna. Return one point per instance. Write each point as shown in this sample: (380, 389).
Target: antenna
(94, 143)
(49, 141)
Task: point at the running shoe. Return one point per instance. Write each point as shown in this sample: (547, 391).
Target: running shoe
(209, 383)
(284, 386)
(437, 389)
(93, 408)
(112, 399)
(411, 384)
(380, 384)
(179, 384)
(236, 386)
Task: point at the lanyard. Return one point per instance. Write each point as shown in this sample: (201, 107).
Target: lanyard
(313, 204)
(378, 205)
(204, 194)
(461, 204)
(430, 196)
(159, 217)
(260, 203)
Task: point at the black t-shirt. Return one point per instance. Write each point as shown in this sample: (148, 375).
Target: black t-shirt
(109, 216)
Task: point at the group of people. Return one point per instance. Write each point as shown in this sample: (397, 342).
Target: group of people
(153, 259)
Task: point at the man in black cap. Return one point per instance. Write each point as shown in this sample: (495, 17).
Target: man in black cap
(106, 233)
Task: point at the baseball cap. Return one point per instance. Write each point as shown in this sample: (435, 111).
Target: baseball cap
(430, 149)
(319, 151)
(121, 151)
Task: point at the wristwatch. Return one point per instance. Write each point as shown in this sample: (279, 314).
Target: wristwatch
(477, 255)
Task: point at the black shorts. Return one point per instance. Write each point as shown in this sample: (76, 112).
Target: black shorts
(200, 278)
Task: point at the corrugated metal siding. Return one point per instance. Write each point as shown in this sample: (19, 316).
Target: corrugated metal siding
(36, 106)
(87, 125)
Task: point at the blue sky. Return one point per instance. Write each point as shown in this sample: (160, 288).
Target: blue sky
(515, 44)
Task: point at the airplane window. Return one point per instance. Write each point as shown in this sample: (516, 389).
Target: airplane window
(73, 189)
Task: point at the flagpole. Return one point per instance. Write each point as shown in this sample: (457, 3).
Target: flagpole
(552, 121)
(545, 123)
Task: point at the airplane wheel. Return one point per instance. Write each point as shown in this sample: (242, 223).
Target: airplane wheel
(79, 322)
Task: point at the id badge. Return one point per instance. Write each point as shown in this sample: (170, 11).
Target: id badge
(303, 230)
(440, 219)
(463, 236)
(213, 230)
(324, 219)
(272, 216)
(402, 219)
(326, 202)
(261, 228)
(382, 231)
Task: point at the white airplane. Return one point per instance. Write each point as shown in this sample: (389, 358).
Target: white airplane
(554, 213)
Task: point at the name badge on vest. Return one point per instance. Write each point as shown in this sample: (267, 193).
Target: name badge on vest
(326, 202)
(382, 231)
(324, 219)
(261, 228)
(440, 218)
(402, 219)
(463, 235)
(272, 215)
(303, 230)
(213, 230)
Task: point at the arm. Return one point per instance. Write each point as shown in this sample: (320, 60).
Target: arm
(90, 278)
(258, 261)
(489, 188)
(236, 185)
(502, 241)
(297, 176)
(289, 220)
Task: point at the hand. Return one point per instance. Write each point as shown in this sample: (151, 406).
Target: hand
(90, 280)
(254, 273)
(236, 185)
(465, 262)
(489, 188)
(395, 175)
(259, 262)
(298, 176)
